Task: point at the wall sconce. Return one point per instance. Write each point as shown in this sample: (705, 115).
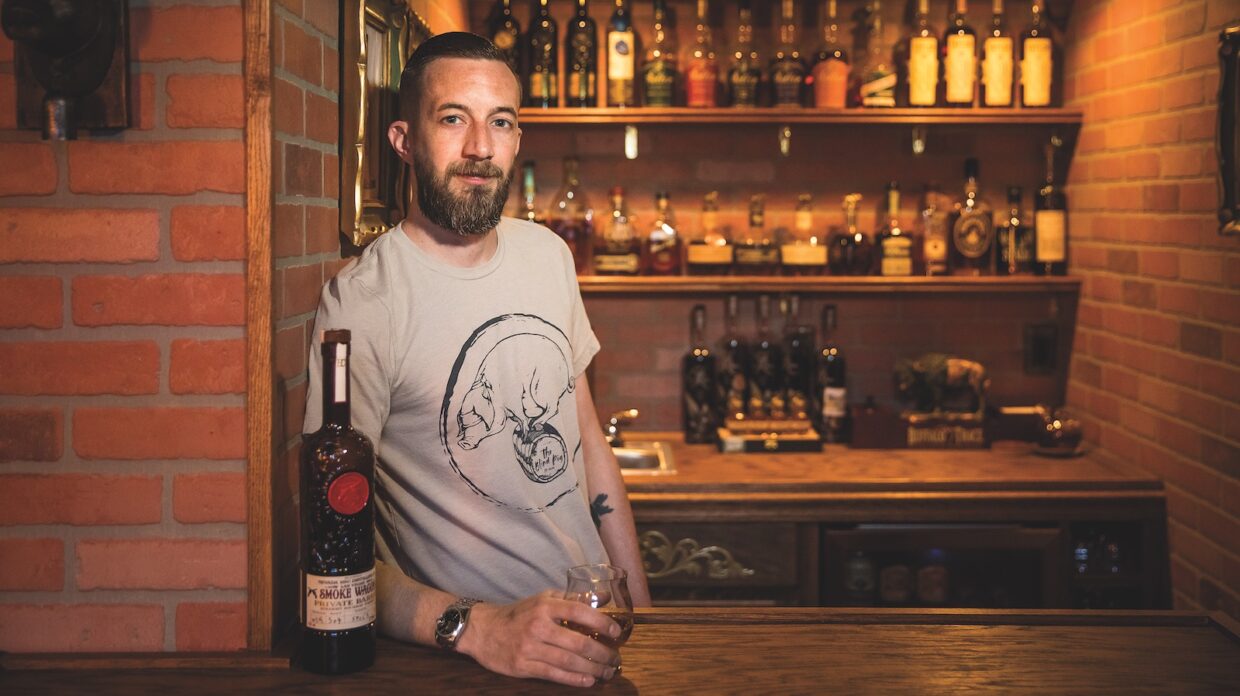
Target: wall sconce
(71, 63)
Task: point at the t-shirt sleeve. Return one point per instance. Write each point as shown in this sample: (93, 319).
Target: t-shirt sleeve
(585, 343)
(346, 304)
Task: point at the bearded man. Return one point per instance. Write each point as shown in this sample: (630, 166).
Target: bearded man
(470, 342)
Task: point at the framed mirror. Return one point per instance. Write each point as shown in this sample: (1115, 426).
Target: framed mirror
(1228, 136)
(379, 35)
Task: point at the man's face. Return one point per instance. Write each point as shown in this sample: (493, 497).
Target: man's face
(463, 143)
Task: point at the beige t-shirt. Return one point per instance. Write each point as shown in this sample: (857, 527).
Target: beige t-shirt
(464, 378)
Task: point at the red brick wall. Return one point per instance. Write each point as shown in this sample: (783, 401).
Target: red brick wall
(305, 240)
(122, 424)
(1157, 361)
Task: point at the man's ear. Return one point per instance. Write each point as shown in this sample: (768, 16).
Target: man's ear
(401, 139)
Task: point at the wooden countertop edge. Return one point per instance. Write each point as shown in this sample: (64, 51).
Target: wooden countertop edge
(711, 616)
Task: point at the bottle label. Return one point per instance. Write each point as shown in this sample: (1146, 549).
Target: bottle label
(834, 402)
(744, 87)
(581, 86)
(973, 234)
(959, 68)
(788, 81)
(713, 254)
(660, 81)
(623, 264)
(339, 602)
(1049, 226)
(879, 89)
(340, 375)
(1035, 71)
(664, 259)
(997, 71)
(803, 222)
(542, 84)
(897, 256)
(757, 256)
(804, 254)
(348, 493)
(923, 70)
(620, 55)
(831, 84)
(700, 87)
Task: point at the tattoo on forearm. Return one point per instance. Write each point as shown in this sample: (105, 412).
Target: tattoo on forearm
(599, 508)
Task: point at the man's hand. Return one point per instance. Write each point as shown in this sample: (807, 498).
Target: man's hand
(528, 639)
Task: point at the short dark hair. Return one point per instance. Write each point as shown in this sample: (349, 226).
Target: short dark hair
(452, 44)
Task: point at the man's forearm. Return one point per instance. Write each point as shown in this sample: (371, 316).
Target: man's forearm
(407, 609)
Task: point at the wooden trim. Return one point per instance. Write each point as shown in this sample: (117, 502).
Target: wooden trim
(258, 322)
(772, 115)
(918, 285)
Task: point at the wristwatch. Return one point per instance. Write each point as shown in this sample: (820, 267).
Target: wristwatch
(452, 622)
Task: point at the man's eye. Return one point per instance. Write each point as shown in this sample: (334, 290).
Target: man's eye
(502, 123)
(452, 119)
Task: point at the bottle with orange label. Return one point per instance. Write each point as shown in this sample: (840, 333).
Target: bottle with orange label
(337, 530)
(702, 77)
(830, 74)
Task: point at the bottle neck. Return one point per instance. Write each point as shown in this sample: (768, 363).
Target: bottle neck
(336, 384)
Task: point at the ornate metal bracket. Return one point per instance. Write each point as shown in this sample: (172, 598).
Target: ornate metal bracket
(662, 559)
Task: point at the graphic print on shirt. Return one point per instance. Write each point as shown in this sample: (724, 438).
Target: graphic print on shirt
(501, 423)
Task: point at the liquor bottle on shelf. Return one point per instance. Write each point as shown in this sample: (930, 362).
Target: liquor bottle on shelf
(505, 33)
(337, 529)
(933, 586)
(756, 253)
(710, 251)
(745, 76)
(1014, 239)
(922, 83)
(699, 377)
(581, 45)
(935, 232)
(661, 249)
(799, 350)
(805, 254)
(1050, 222)
(850, 251)
(621, 58)
(733, 364)
(542, 81)
(959, 57)
(787, 68)
(1037, 61)
(830, 384)
(571, 217)
(878, 77)
(660, 73)
(702, 77)
(766, 395)
(973, 229)
(617, 251)
(528, 210)
(859, 579)
(996, 87)
(830, 73)
(894, 245)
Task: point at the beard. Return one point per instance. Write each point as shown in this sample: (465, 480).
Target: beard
(473, 213)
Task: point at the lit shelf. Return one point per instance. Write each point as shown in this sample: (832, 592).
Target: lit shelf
(687, 116)
(855, 285)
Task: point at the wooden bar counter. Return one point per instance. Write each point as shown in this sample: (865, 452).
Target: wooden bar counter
(735, 651)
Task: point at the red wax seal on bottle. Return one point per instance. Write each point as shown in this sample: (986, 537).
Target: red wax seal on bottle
(348, 493)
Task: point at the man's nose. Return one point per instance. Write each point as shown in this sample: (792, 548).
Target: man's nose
(478, 142)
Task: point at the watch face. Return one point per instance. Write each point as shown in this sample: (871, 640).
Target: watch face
(449, 622)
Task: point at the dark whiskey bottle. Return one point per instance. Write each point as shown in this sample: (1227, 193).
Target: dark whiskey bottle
(766, 396)
(850, 251)
(756, 253)
(973, 229)
(935, 234)
(745, 76)
(621, 58)
(505, 33)
(660, 74)
(787, 69)
(542, 80)
(1014, 239)
(571, 217)
(894, 245)
(830, 387)
(581, 45)
(700, 408)
(709, 252)
(1050, 220)
(337, 530)
(798, 359)
(733, 365)
(617, 250)
(662, 248)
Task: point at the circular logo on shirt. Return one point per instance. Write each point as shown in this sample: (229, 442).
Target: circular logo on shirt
(347, 493)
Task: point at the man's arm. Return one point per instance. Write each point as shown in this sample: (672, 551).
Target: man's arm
(608, 496)
(523, 639)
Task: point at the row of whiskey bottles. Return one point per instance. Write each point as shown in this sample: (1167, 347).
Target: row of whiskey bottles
(766, 376)
(961, 237)
(959, 67)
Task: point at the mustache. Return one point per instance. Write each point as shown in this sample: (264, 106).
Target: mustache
(483, 169)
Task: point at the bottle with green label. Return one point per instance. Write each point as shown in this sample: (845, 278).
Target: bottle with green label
(660, 74)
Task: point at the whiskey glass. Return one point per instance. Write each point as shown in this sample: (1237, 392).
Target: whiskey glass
(606, 588)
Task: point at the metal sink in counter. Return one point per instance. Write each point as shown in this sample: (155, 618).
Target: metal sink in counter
(638, 456)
